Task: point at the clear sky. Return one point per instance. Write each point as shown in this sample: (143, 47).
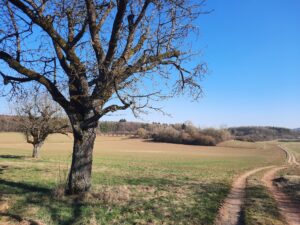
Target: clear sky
(253, 52)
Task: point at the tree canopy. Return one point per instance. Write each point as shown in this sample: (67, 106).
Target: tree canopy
(99, 56)
(100, 50)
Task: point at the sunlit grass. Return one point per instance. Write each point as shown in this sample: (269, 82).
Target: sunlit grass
(162, 182)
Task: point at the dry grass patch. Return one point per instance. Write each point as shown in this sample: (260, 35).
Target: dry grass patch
(4, 204)
(289, 182)
(109, 194)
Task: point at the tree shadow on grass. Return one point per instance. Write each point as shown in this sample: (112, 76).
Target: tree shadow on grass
(41, 197)
(12, 156)
(199, 207)
(23, 187)
(195, 202)
(207, 201)
(19, 218)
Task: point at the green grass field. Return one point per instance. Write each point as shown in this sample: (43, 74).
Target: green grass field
(134, 181)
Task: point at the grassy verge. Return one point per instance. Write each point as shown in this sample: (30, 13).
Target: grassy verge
(260, 208)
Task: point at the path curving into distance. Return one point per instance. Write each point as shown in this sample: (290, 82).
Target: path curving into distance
(229, 213)
(291, 159)
(288, 208)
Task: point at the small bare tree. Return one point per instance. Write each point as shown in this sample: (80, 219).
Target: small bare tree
(38, 119)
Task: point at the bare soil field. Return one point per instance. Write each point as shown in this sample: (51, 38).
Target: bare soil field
(134, 181)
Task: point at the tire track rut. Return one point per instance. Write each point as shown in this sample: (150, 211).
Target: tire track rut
(288, 208)
(229, 213)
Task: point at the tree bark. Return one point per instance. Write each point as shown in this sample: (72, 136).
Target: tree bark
(79, 180)
(36, 150)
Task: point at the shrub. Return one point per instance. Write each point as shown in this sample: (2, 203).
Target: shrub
(219, 135)
(202, 139)
(190, 135)
(142, 133)
(168, 134)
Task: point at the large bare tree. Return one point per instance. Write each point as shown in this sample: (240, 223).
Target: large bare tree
(98, 56)
(38, 118)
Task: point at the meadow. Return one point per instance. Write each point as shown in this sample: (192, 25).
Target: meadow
(134, 181)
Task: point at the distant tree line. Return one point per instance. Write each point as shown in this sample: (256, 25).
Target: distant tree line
(10, 124)
(121, 127)
(263, 133)
(185, 133)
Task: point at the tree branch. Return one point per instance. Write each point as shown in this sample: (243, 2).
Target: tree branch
(92, 17)
(43, 22)
(7, 79)
(14, 64)
(114, 38)
(79, 35)
(132, 28)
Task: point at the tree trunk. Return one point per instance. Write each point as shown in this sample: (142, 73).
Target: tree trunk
(36, 150)
(79, 180)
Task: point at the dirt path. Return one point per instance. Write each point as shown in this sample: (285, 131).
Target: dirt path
(229, 213)
(291, 159)
(289, 209)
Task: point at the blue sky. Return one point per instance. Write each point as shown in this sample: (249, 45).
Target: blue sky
(253, 52)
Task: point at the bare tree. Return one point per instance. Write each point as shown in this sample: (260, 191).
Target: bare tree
(39, 118)
(98, 56)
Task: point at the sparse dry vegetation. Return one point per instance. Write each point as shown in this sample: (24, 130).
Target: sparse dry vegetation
(142, 133)
(289, 182)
